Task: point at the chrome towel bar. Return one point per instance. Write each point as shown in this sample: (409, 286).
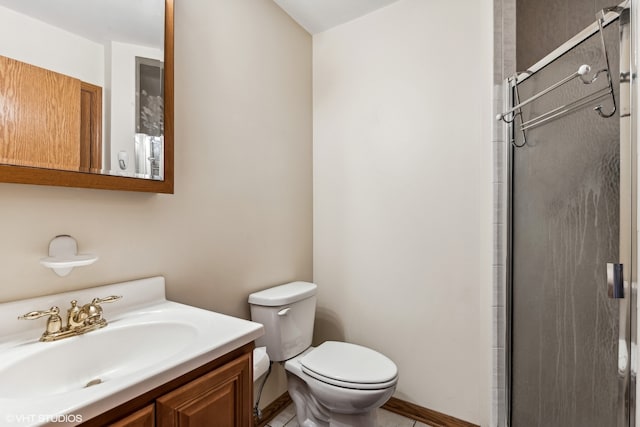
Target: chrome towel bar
(564, 109)
(581, 73)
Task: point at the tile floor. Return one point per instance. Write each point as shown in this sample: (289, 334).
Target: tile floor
(287, 418)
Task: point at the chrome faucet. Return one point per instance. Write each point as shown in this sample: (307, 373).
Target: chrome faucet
(80, 320)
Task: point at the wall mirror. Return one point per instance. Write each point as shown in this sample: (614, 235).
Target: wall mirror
(86, 93)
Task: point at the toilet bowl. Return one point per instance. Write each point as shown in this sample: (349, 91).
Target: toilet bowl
(344, 378)
(334, 384)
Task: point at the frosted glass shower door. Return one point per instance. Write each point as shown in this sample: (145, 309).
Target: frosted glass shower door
(565, 228)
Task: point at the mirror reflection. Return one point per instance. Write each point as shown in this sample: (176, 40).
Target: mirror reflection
(82, 85)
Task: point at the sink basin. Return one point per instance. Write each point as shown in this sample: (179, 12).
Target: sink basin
(92, 359)
(148, 342)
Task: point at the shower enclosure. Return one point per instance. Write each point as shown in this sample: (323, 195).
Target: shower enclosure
(571, 245)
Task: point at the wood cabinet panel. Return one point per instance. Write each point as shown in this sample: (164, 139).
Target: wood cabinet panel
(221, 398)
(145, 417)
(39, 117)
(90, 128)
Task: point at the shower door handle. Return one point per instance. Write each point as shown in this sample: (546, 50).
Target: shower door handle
(615, 281)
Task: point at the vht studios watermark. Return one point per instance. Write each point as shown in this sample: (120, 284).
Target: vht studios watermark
(43, 418)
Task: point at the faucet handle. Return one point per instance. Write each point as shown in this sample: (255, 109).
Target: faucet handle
(53, 311)
(92, 313)
(111, 298)
(54, 322)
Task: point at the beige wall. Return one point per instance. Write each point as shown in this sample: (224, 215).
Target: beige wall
(402, 195)
(240, 218)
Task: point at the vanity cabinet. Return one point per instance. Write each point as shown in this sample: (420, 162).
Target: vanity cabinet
(218, 394)
(215, 399)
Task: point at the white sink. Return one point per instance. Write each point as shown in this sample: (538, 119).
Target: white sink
(106, 355)
(147, 342)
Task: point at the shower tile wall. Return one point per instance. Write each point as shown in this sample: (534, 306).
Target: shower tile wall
(504, 66)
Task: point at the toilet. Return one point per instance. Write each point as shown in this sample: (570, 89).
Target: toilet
(336, 384)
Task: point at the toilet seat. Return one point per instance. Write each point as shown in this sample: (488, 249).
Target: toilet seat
(350, 366)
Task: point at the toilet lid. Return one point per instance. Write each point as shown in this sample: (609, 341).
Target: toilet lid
(349, 365)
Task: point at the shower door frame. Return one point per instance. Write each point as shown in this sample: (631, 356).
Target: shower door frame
(627, 105)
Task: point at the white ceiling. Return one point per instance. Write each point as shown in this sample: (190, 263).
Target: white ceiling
(142, 21)
(138, 22)
(316, 16)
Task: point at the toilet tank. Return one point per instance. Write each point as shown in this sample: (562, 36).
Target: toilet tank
(287, 313)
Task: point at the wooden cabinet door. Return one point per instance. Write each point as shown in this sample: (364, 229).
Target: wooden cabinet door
(221, 398)
(142, 418)
(39, 117)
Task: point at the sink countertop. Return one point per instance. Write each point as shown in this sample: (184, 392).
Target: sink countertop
(29, 399)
